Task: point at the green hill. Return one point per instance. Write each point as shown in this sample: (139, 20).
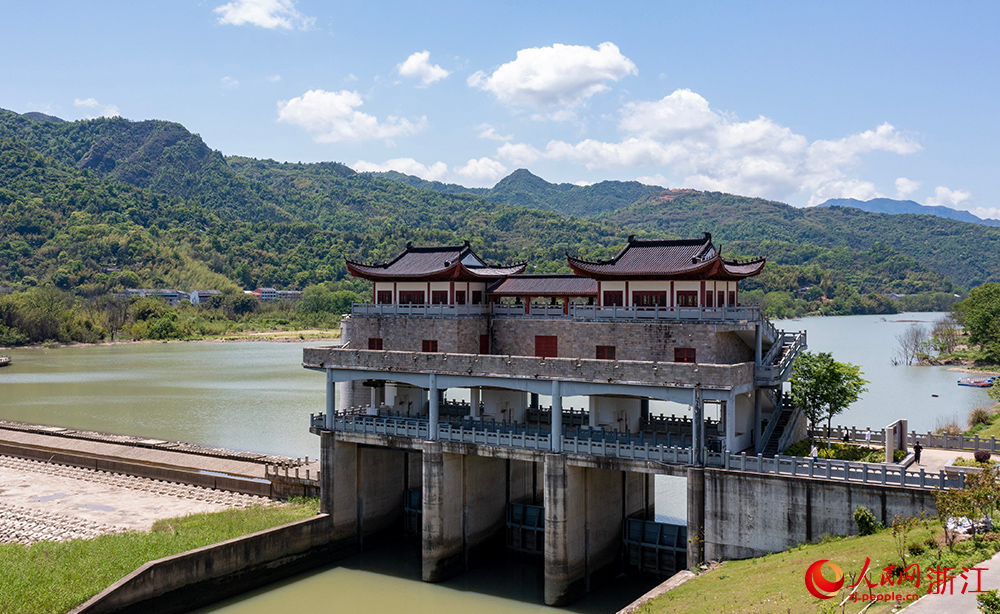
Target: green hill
(91, 206)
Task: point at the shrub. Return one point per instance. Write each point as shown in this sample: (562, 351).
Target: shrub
(981, 456)
(980, 416)
(867, 523)
(989, 602)
(915, 549)
(947, 428)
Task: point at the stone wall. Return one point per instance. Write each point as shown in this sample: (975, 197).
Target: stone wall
(714, 343)
(749, 515)
(453, 335)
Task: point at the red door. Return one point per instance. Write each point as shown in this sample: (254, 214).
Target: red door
(546, 346)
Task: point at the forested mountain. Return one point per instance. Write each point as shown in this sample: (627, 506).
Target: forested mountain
(523, 188)
(967, 253)
(91, 206)
(895, 207)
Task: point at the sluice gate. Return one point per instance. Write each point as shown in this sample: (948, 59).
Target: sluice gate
(654, 547)
(526, 528)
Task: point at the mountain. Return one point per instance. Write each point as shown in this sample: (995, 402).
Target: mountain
(90, 206)
(894, 207)
(161, 156)
(967, 253)
(528, 190)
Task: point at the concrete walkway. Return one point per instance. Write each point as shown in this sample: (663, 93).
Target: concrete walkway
(933, 460)
(146, 451)
(957, 603)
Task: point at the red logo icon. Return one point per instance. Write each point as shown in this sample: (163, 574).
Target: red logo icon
(819, 586)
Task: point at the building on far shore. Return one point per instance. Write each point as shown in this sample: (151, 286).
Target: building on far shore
(198, 296)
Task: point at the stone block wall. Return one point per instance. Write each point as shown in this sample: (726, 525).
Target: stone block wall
(453, 335)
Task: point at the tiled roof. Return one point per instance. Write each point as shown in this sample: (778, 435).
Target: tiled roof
(434, 262)
(546, 285)
(667, 258)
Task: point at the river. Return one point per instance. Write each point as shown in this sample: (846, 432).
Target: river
(255, 396)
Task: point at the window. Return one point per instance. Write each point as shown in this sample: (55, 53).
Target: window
(439, 297)
(613, 299)
(649, 299)
(708, 298)
(477, 297)
(722, 298)
(546, 346)
(732, 298)
(605, 352)
(484, 344)
(384, 297)
(411, 297)
(374, 343)
(684, 355)
(459, 297)
(687, 298)
(429, 345)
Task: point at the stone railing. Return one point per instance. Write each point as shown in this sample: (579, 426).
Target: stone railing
(777, 363)
(837, 470)
(927, 440)
(673, 374)
(823, 469)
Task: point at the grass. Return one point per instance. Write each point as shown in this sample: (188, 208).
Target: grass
(775, 583)
(54, 577)
(971, 462)
(841, 451)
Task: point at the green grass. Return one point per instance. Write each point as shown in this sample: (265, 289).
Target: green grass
(842, 451)
(971, 462)
(776, 582)
(53, 577)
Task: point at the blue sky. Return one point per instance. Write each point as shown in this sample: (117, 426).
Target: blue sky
(797, 102)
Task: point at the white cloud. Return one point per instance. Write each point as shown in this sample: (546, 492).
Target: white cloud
(482, 172)
(105, 110)
(518, 154)
(715, 151)
(419, 66)
(268, 14)
(487, 131)
(986, 212)
(435, 172)
(945, 197)
(560, 75)
(333, 116)
(274, 78)
(905, 187)
(229, 82)
(657, 180)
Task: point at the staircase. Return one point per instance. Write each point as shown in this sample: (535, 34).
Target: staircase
(771, 447)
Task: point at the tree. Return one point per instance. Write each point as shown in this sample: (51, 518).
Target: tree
(823, 387)
(910, 341)
(979, 315)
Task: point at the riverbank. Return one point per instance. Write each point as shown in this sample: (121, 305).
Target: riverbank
(280, 336)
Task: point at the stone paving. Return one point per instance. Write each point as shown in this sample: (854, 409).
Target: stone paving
(48, 501)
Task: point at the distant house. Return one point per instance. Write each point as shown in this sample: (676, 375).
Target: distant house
(203, 295)
(270, 294)
(172, 297)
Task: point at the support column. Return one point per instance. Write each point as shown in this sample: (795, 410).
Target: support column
(442, 542)
(331, 401)
(374, 400)
(698, 430)
(729, 411)
(758, 344)
(434, 409)
(557, 416)
(695, 516)
(339, 486)
(565, 511)
(475, 397)
(533, 400)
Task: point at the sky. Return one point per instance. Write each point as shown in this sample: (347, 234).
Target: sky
(792, 101)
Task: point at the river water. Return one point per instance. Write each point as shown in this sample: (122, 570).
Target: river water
(255, 396)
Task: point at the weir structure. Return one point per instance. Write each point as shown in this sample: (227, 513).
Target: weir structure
(447, 416)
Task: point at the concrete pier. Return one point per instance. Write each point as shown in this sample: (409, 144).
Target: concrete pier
(464, 502)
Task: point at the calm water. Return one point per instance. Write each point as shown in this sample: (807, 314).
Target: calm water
(255, 396)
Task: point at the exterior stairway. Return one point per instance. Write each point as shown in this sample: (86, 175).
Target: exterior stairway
(771, 447)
